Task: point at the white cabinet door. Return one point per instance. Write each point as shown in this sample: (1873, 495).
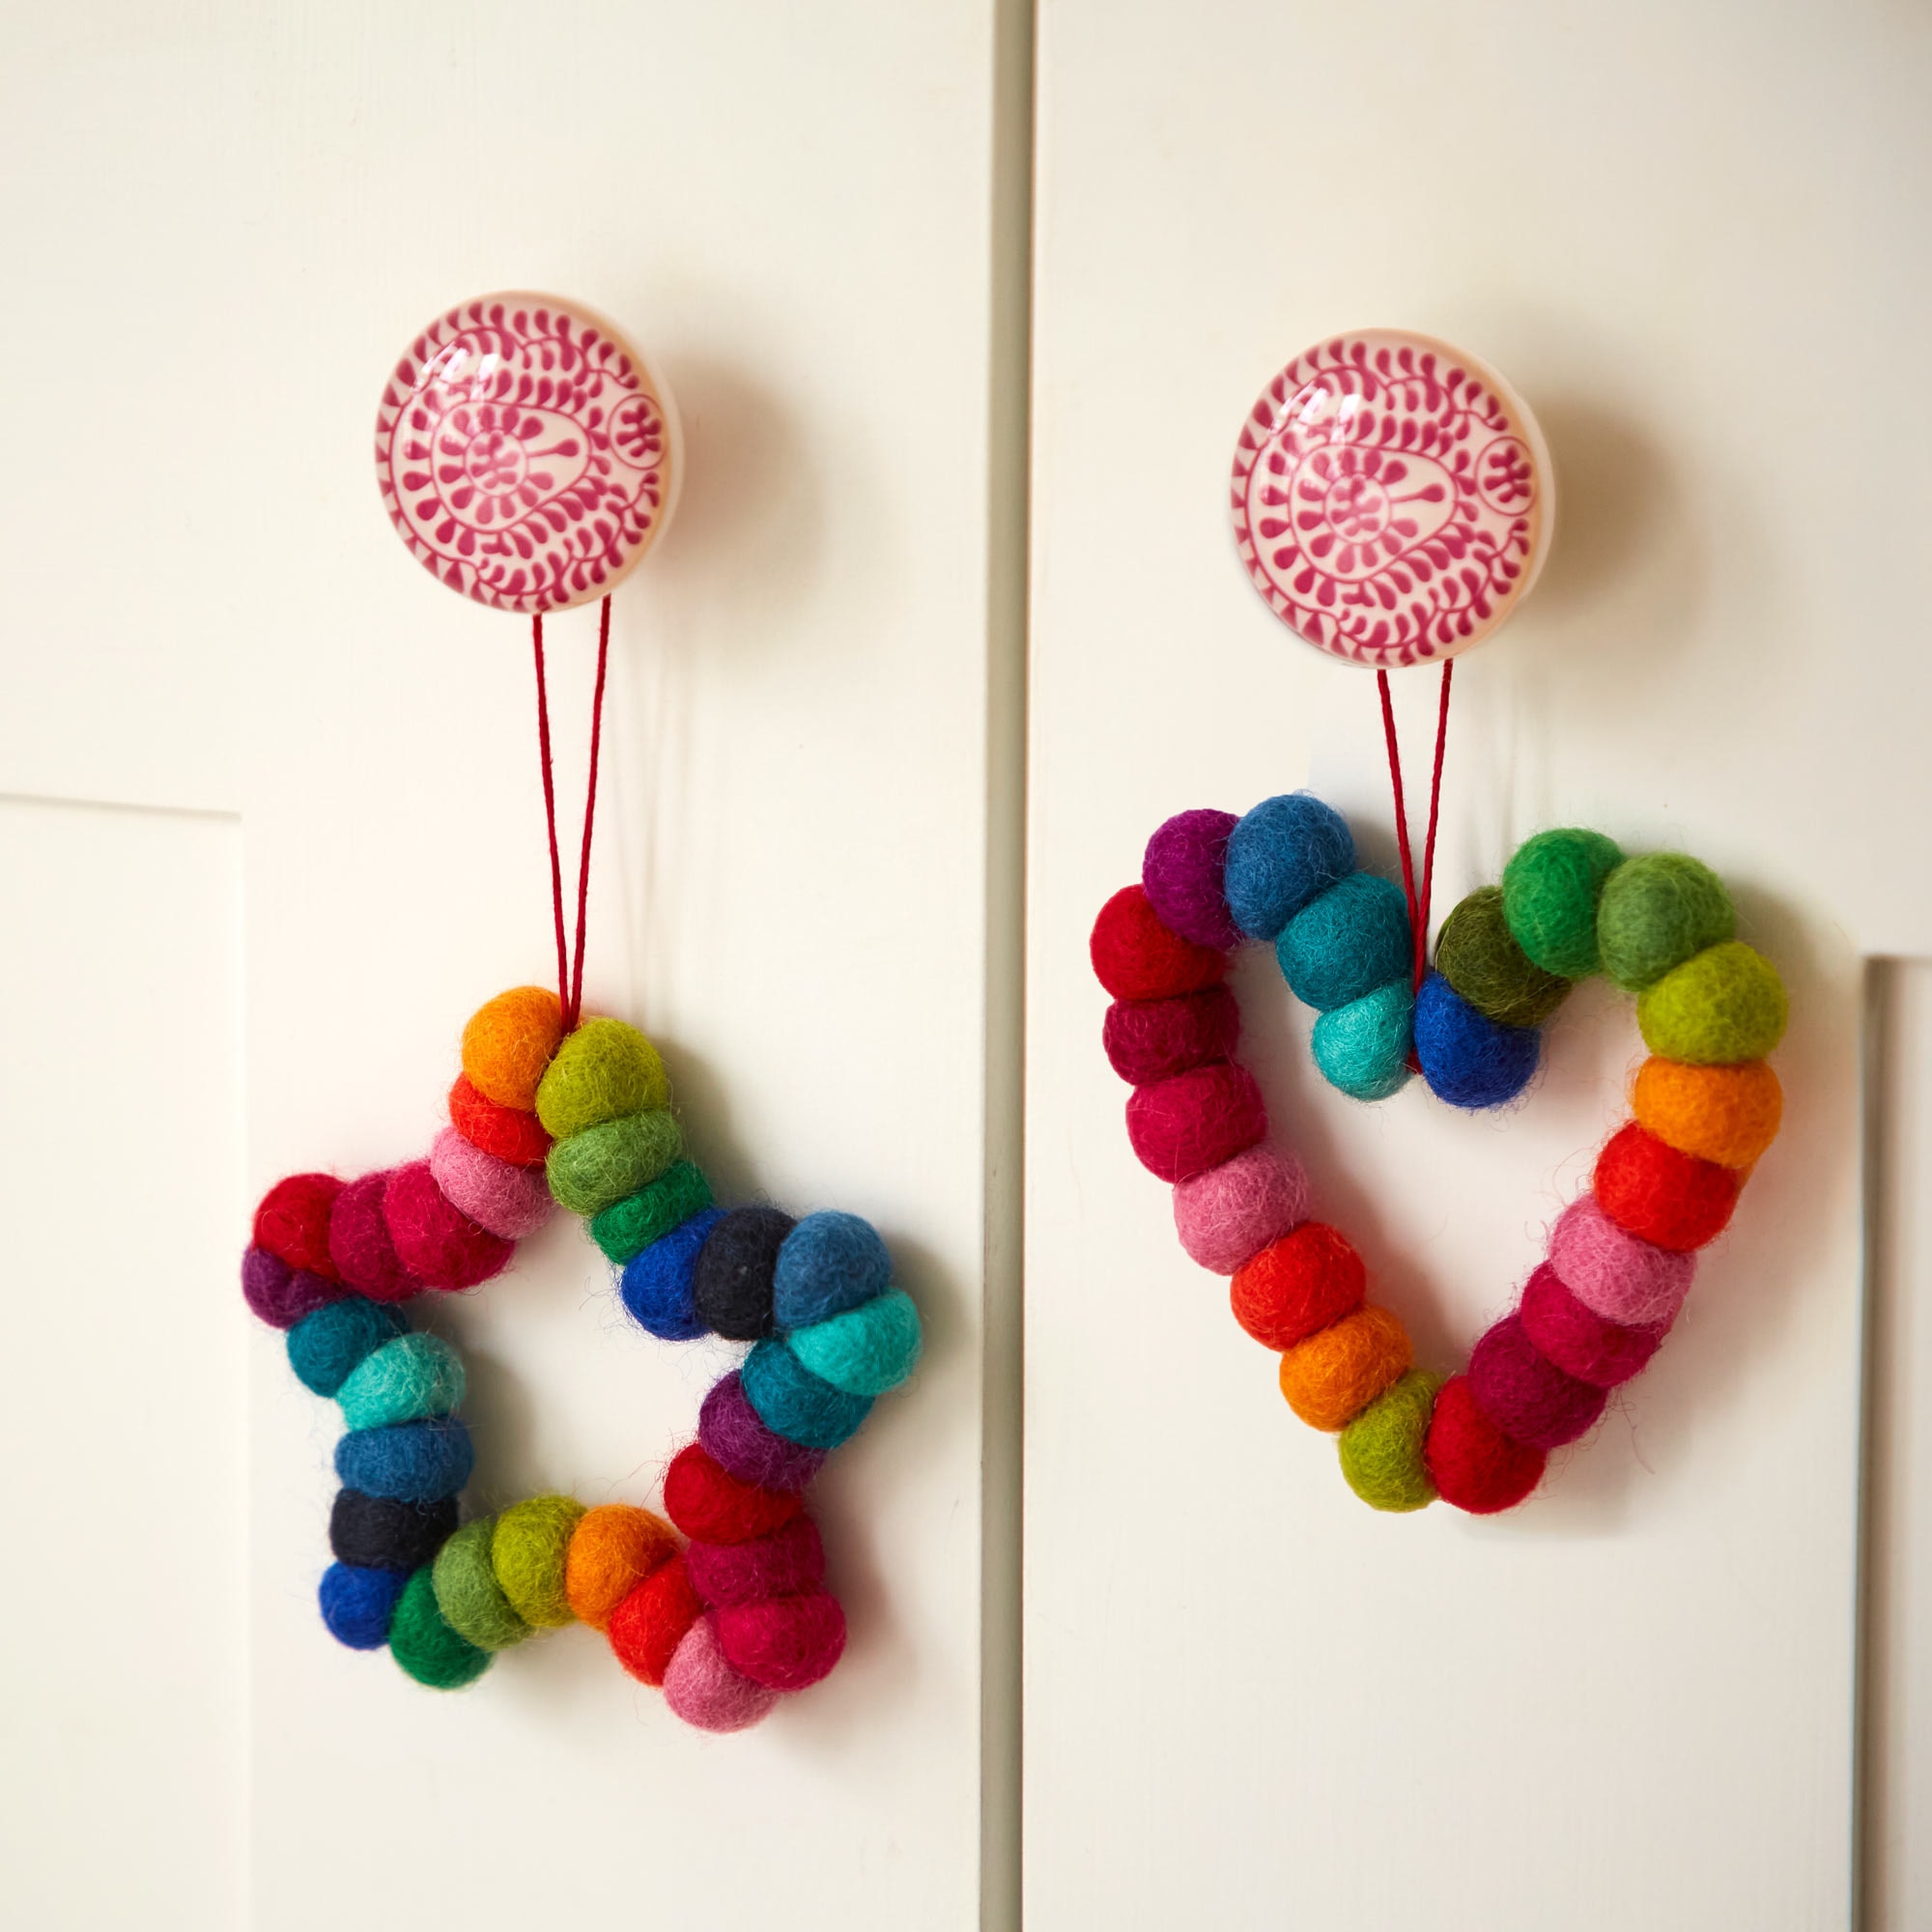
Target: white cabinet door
(1691, 237)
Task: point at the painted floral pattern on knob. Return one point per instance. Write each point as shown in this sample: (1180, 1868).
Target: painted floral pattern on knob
(1391, 498)
(525, 454)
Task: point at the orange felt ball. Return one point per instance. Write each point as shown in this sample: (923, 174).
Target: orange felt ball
(1332, 1377)
(509, 1042)
(1298, 1285)
(613, 1549)
(1726, 1114)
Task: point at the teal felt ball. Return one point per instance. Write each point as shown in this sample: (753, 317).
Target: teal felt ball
(1346, 942)
(1363, 1048)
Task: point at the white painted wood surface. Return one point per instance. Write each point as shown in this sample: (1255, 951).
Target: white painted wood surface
(1683, 236)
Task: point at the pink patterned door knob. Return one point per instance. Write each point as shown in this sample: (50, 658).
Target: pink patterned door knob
(526, 453)
(1392, 498)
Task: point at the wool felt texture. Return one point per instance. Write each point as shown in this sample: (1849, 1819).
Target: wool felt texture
(1472, 1463)
(504, 1200)
(1297, 1286)
(1657, 911)
(1479, 956)
(1469, 1060)
(1720, 1009)
(359, 1243)
(1335, 1374)
(790, 1559)
(1136, 958)
(1283, 854)
(867, 1349)
(468, 1593)
(1153, 1039)
(598, 1167)
(379, 1533)
(733, 1434)
(1668, 1199)
(629, 1226)
(292, 1222)
(324, 1347)
(1615, 1274)
(613, 1549)
(423, 1643)
(356, 1605)
(506, 1132)
(794, 1403)
(1526, 1395)
(703, 1688)
(508, 1045)
(529, 1550)
(731, 1285)
(657, 1283)
(1578, 1339)
(710, 1505)
(1550, 888)
(407, 1379)
(1182, 873)
(1346, 942)
(1363, 1048)
(1182, 1127)
(647, 1627)
(1729, 1115)
(411, 1462)
(1229, 1215)
(603, 1073)
(435, 1240)
(785, 1643)
(830, 1262)
(281, 1295)
(1380, 1450)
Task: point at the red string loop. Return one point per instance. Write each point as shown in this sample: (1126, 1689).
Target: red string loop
(1418, 900)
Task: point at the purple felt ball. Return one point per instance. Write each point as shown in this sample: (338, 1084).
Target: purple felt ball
(279, 1295)
(1181, 874)
(732, 1433)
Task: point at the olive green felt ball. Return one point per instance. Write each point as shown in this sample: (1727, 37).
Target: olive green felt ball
(1550, 890)
(596, 1169)
(423, 1643)
(627, 1226)
(468, 1593)
(1479, 956)
(1657, 912)
(1721, 1008)
(602, 1072)
(528, 1553)
(1381, 1449)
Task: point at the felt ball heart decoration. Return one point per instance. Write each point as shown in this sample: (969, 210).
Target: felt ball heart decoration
(733, 1614)
(1621, 1257)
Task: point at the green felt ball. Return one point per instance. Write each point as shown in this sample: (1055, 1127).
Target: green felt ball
(1550, 888)
(627, 1226)
(468, 1593)
(1657, 912)
(602, 1072)
(528, 1551)
(1721, 1008)
(1381, 1449)
(405, 1381)
(423, 1643)
(1479, 956)
(595, 1169)
(1362, 1048)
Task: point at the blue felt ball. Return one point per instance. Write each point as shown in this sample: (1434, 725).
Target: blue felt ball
(409, 1461)
(1347, 942)
(1467, 1059)
(828, 1262)
(356, 1605)
(1284, 852)
(324, 1347)
(660, 1281)
(1363, 1047)
(794, 1403)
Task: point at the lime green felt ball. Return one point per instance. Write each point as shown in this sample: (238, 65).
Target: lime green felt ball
(528, 1551)
(1720, 1009)
(1382, 1448)
(602, 1072)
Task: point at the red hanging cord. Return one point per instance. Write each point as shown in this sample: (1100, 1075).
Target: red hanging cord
(590, 814)
(1418, 901)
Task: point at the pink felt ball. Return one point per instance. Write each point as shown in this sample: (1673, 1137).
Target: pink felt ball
(1578, 1340)
(701, 1686)
(1228, 1215)
(511, 1202)
(1183, 1126)
(1614, 1274)
(1528, 1396)
(1181, 874)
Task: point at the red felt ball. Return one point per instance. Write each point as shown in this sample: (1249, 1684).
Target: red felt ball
(1154, 1040)
(504, 1131)
(1472, 1463)
(1668, 1199)
(1136, 958)
(647, 1627)
(1526, 1394)
(292, 1222)
(1298, 1285)
(1182, 1127)
(1578, 1340)
(711, 1505)
(783, 1642)
(435, 1240)
(788, 1560)
(359, 1243)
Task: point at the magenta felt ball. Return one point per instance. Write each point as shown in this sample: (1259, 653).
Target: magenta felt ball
(1614, 1274)
(510, 1202)
(1229, 1215)
(359, 1243)
(784, 1643)
(1154, 1040)
(789, 1559)
(1182, 875)
(1183, 1126)
(1578, 1340)
(703, 1688)
(1525, 1395)
(435, 1241)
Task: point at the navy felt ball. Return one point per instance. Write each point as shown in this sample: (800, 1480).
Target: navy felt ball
(830, 1262)
(408, 1461)
(1469, 1060)
(356, 1605)
(660, 1281)
(1282, 855)
(1347, 942)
